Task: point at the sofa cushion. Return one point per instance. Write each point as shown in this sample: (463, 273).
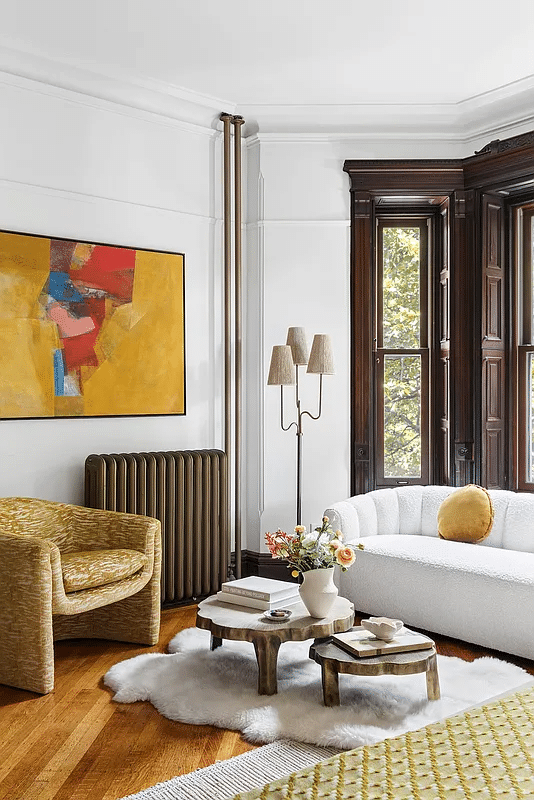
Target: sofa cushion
(466, 515)
(518, 532)
(387, 511)
(460, 557)
(91, 568)
(432, 498)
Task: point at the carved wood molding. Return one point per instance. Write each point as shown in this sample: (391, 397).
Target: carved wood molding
(501, 145)
(506, 164)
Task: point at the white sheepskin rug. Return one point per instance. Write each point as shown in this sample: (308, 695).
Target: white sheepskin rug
(195, 685)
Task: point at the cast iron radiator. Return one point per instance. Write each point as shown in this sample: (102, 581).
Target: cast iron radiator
(187, 491)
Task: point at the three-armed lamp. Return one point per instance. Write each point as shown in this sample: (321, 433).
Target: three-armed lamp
(284, 371)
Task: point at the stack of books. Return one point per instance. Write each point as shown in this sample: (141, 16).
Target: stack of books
(261, 593)
(361, 643)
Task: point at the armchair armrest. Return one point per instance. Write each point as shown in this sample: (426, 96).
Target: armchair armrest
(26, 611)
(20, 553)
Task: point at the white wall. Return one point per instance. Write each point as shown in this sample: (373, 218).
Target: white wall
(76, 167)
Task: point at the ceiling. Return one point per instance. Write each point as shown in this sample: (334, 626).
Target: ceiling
(288, 52)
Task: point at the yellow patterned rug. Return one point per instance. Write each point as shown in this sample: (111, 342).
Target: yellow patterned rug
(486, 752)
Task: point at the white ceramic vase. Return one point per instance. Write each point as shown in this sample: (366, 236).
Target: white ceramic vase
(318, 591)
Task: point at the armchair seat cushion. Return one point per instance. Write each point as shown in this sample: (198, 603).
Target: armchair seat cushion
(89, 569)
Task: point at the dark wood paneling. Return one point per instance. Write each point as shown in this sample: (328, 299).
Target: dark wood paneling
(493, 383)
(510, 170)
(462, 327)
(266, 566)
(387, 177)
(494, 303)
(494, 452)
(362, 405)
(442, 455)
(493, 467)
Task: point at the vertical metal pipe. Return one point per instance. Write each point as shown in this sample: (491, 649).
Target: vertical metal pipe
(299, 447)
(237, 122)
(227, 252)
(299, 477)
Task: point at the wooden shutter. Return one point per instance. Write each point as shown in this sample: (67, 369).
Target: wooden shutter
(493, 395)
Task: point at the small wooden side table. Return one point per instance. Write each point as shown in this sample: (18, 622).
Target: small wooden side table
(242, 624)
(333, 660)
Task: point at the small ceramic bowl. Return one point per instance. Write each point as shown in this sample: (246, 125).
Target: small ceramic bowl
(277, 614)
(383, 628)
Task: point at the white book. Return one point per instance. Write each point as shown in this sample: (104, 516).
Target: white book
(254, 602)
(360, 642)
(260, 588)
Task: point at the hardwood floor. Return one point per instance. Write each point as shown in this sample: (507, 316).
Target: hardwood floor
(77, 744)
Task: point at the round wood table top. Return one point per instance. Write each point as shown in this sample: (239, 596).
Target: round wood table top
(405, 663)
(241, 623)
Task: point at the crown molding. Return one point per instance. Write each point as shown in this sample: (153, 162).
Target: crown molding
(470, 119)
(70, 81)
(474, 118)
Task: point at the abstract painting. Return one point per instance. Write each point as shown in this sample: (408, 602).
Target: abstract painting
(89, 330)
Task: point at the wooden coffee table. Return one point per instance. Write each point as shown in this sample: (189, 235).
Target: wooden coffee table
(242, 624)
(333, 660)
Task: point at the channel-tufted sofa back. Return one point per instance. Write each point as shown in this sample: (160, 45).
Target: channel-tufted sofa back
(413, 510)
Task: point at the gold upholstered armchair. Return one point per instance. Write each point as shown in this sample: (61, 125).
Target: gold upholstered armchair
(71, 572)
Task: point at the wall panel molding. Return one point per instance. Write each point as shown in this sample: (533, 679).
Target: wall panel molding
(85, 197)
(294, 223)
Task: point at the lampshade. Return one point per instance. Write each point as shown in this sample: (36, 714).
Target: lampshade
(296, 338)
(321, 358)
(281, 371)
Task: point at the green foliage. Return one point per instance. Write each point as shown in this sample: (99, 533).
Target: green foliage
(402, 416)
(401, 288)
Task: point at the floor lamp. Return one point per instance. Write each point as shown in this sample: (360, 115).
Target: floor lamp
(284, 371)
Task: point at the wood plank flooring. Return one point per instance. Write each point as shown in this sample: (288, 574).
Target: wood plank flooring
(77, 744)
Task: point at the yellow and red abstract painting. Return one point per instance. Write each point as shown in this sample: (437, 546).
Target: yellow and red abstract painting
(89, 330)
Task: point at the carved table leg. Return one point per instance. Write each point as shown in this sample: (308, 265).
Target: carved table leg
(215, 641)
(266, 648)
(330, 679)
(432, 679)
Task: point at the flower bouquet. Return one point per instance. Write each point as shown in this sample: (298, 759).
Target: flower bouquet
(314, 555)
(304, 550)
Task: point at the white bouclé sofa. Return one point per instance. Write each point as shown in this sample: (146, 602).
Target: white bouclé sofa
(481, 593)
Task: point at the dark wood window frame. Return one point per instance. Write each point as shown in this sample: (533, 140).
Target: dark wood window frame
(474, 374)
(523, 343)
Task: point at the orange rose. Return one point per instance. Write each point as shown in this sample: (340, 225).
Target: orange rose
(345, 556)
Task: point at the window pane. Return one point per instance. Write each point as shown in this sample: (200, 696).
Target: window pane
(402, 416)
(530, 411)
(401, 287)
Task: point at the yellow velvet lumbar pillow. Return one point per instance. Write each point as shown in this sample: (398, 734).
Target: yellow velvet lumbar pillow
(466, 515)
